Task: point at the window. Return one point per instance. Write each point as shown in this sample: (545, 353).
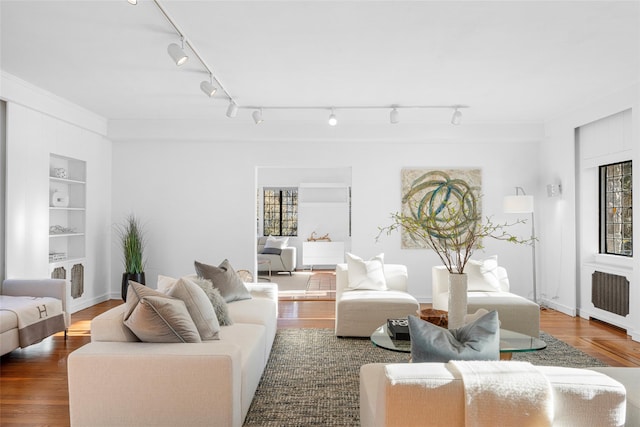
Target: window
(616, 210)
(280, 212)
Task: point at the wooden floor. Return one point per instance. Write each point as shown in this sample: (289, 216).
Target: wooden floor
(33, 381)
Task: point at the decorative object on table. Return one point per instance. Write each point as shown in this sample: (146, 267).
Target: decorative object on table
(132, 240)
(479, 340)
(60, 173)
(59, 199)
(57, 256)
(436, 317)
(324, 238)
(441, 211)
(398, 329)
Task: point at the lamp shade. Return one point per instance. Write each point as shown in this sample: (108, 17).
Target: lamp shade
(518, 204)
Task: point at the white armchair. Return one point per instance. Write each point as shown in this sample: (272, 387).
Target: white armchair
(285, 261)
(515, 312)
(360, 312)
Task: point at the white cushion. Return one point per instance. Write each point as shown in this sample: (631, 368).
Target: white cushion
(483, 275)
(276, 243)
(366, 274)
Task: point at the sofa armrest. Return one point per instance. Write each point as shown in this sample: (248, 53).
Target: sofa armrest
(147, 384)
(289, 258)
(53, 288)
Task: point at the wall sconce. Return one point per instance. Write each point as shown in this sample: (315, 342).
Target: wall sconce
(554, 190)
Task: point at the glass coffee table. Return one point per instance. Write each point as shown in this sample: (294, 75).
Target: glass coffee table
(510, 342)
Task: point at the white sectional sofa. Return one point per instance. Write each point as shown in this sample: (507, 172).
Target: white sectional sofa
(285, 261)
(430, 394)
(516, 313)
(116, 381)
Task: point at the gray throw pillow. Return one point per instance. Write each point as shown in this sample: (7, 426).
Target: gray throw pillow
(155, 317)
(225, 279)
(272, 251)
(198, 306)
(479, 340)
(218, 303)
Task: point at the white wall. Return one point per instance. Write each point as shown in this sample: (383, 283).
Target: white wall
(196, 193)
(559, 265)
(321, 218)
(3, 171)
(39, 123)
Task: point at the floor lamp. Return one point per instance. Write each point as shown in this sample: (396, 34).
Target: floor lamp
(521, 203)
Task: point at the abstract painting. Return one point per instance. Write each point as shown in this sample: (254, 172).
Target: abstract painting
(429, 191)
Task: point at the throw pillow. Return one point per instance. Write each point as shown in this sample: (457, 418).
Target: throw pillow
(366, 274)
(155, 317)
(225, 279)
(479, 340)
(218, 303)
(482, 275)
(198, 306)
(277, 243)
(271, 251)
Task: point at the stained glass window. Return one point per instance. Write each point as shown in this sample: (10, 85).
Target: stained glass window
(280, 212)
(616, 210)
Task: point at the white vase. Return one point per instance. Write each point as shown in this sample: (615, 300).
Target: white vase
(457, 300)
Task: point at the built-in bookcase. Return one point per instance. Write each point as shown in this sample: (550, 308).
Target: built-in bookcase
(67, 221)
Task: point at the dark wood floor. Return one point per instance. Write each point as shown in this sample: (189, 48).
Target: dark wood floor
(33, 381)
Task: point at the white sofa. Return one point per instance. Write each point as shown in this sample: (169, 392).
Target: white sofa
(360, 312)
(115, 381)
(429, 394)
(516, 313)
(54, 288)
(286, 261)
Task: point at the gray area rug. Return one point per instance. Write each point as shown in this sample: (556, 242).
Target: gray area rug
(312, 378)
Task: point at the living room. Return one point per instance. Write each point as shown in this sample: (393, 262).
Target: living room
(93, 81)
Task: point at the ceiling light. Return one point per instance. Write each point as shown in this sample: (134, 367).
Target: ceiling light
(257, 116)
(207, 87)
(457, 117)
(332, 119)
(177, 53)
(232, 110)
(133, 2)
(394, 116)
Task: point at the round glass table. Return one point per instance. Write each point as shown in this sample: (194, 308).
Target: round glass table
(510, 342)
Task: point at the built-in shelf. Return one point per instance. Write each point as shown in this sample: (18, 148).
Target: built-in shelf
(67, 214)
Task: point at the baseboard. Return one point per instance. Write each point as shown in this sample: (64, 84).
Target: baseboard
(90, 303)
(569, 311)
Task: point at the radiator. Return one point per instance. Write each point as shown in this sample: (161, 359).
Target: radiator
(610, 292)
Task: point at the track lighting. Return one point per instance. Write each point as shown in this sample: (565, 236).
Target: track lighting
(257, 116)
(177, 53)
(332, 119)
(232, 110)
(207, 87)
(133, 2)
(394, 116)
(457, 117)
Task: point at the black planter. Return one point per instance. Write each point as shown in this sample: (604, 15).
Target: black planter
(136, 277)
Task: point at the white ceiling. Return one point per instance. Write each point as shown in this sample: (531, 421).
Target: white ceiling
(510, 61)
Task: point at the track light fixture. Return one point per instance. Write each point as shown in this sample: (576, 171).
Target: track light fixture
(207, 87)
(257, 116)
(177, 53)
(394, 116)
(457, 117)
(232, 110)
(332, 119)
(179, 56)
(133, 2)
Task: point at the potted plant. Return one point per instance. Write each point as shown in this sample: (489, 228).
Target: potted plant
(446, 218)
(132, 241)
